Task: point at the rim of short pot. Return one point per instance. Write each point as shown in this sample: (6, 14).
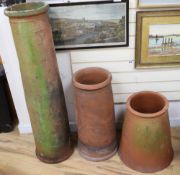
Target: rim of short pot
(92, 86)
(26, 9)
(148, 115)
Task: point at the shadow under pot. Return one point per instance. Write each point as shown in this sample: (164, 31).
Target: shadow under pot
(146, 141)
(95, 114)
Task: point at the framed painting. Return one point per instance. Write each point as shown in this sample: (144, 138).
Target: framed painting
(4, 3)
(158, 3)
(158, 39)
(90, 24)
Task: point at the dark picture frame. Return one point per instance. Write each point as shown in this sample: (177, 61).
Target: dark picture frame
(86, 25)
(4, 3)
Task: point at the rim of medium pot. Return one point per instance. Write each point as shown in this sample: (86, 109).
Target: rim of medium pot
(92, 86)
(26, 9)
(148, 115)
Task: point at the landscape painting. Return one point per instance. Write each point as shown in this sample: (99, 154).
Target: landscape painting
(4, 3)
(89, 25)
(164, 40)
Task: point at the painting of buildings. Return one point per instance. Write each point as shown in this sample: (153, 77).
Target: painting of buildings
(89, 25)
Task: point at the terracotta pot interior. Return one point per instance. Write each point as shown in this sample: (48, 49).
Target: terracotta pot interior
(91, 77)
(147, 103)
(26, 7)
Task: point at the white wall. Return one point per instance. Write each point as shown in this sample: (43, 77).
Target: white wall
(120, 61)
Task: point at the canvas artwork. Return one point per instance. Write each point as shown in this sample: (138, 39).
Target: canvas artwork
(89, 25)
(4, 3)
(164, 40)
(158, 39)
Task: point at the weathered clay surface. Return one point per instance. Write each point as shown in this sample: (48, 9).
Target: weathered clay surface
(42, 85)
(146, 143)
(95, 114)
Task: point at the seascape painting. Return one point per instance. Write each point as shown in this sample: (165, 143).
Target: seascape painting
(158, 39)
(90, 25)
(164, 40)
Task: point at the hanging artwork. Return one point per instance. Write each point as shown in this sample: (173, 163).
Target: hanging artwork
(90, 24)
(4, 3)
(158, 39)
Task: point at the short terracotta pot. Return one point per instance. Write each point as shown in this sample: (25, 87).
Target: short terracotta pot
(146, 142)
(95, 114)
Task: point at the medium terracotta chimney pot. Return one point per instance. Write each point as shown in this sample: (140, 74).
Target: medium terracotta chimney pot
(95, 114)
(145, 144)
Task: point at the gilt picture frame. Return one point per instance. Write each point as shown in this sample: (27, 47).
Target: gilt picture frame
(158, 39)
(85, 25)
